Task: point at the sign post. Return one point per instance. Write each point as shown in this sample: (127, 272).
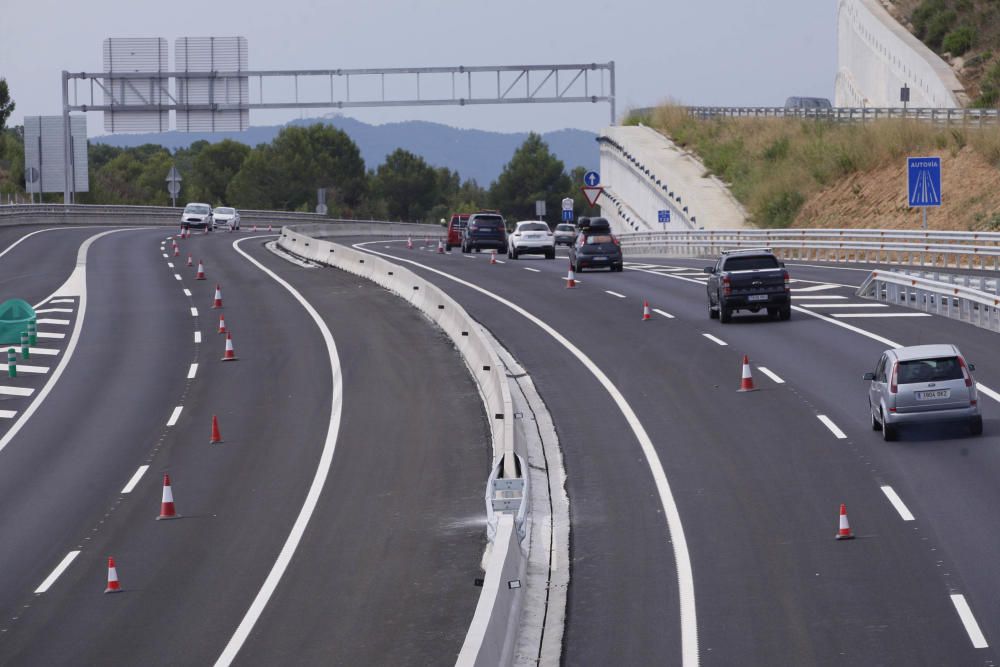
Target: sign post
(540, 209)
(567, 209)
(173, 185)
(923, 183)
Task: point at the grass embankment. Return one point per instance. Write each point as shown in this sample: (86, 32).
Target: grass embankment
(789, 172)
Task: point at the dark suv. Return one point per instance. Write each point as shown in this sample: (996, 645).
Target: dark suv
(485, 230)
(748, 279)
(595, 246)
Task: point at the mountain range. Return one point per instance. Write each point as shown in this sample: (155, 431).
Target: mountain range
(474, 154)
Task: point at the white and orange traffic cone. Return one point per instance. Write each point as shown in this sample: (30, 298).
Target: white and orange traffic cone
(646, 315)
(200, 275)
(222, 324)
(190, 263)
(409, 243)
(844, 533)
(269, 228)
(167, 509)
(746, 381)
(570, 278)
(206, 229)
(113, 585)
(230, 355)
(253, 227)
(216, 435)
(217, 302)
(177, 250)
(440, 248)
(493, 256)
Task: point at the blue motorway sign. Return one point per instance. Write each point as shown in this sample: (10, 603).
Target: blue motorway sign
(567, 216)
(663, 216)
(591, 179)
(923, 183)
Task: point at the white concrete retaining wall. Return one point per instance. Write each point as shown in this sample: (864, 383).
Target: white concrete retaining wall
(876, 56)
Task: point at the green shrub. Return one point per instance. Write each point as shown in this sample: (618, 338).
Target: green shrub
(778, 150)
(923, 15)
(989, 88)
(780, 208)
(938, 27)
(959, 40)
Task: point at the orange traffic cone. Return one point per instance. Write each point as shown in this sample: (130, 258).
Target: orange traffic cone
(113, 585)
(216, 435)
(570, 278)
(230, 355)
(177, 250)
(201, 271)
(167, 509)
(190, 263)
(217, 303)
(440, 248)
(645, 311)
(746, 381)
(222, 324)
(845, 528)
(493, 256)
(269, 228)
(409, 243)
(253, 227)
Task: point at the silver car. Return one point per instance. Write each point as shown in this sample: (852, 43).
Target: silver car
(226, 216)
(920, 384)
(565, 233)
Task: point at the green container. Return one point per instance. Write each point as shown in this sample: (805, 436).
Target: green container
(15, 314)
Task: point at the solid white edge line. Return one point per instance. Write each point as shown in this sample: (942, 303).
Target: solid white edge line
(675, 528)
(60, 568)
(849, 316)
(715, 340)
(898, 503)
(833, 427)
(969, 621)
(664, 313)
(197, 336)
(771, 374)
(175, 415)
(315, 489)
(135, 479)
(620, 296)
(192, 372)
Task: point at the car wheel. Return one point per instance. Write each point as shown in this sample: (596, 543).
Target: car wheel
(785, 313)
(513, 252)
(773, 313)
(976, 426)
(465, 248)
(551, 254)
(713, 314)
(447, 247)
(578, 268)
(889, 432)
(725, 312)
(876, 425)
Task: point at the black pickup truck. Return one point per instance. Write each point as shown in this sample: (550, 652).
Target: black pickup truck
(748, 279)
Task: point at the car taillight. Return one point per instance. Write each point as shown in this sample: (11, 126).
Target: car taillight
(787, 278)
(965, 372)
(727, 287)
(614, 239)
(895, 377)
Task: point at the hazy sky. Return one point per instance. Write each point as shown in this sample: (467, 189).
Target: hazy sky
(695, 51)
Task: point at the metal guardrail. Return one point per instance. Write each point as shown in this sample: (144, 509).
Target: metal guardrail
(949, 296)
(978, 117)
(971, 250)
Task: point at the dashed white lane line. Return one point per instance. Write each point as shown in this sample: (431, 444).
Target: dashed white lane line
(54, 310)
(845, 305)
(840, 435)
(187, 292)
(16, 391)
(468, 256)
(21, 368)
(49, 320)
(192, 371)
(194, 312)
(846, 315)
(620, 296)
(8, 414)
(969, 621)
(60, 568)
(49, 334)
(170, 264)
(175, 415)
(897, 502)
(715, 340)
(59, 301)
(813, 288)
(528, 268)
(500, 261)
(197, 336)
(135, 479)
(771, 374)
(177, 276)
(165, 255)
(664, 313)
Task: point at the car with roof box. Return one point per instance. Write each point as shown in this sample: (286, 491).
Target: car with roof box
(595, 247)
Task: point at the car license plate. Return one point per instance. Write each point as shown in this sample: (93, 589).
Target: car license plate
(930, 395)
(757, 297)
(598, 258)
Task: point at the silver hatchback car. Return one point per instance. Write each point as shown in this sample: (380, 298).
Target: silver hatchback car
(919, 384)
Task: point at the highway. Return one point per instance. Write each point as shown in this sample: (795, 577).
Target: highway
(357, 414)
(394, 529)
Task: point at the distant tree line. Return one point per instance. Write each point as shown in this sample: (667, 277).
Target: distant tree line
(285, 174)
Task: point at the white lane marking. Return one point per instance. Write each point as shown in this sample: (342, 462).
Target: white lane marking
(59, 301)
(500, 261)
(50, 320)
(175, 415)
(135, 479)
(8, 414)
(989, 392)
(771, 374)
(187, 292)
(60, 568)
(192, 372)
(845, 305)
(21, 368)
(969, 621)
(46, 334)
(814, 288)
(16, 391)
(826, 297)
(897, 502)
(467, 256)
(194, 312)
(715, 340)
(197, 336)
(620, 296)
(165, 254)
(315, 489)
(528, 268)
(177, 276)
(43, 351)
(54, 310)
(675, 528)
(664, 313)
(871, 315)
(833, 427)
(170, 264)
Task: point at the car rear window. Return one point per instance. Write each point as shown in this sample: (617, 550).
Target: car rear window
(751, 263)
(224, 211)
(487, 223)
(196, 209)
(535, 227)
(565, 228)
(929, 370)
(459, 223)
(596, 239)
